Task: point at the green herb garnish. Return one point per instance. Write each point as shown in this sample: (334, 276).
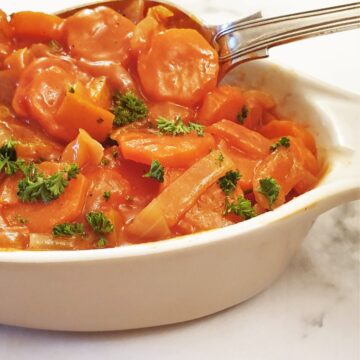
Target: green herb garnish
(107, 195)
(284, 141)
(240, 207)
(68, 229)
(101, 242)
(242, 115)
(177, 127)
(128, 108)
(156, 171)
(38, 187)
(9, 163)
(270, 189)
(99, 222)
(228, 182)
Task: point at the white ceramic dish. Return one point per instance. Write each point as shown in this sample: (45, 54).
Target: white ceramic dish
(193, 276)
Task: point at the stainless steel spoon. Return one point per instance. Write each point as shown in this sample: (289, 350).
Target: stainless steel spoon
(251, 37)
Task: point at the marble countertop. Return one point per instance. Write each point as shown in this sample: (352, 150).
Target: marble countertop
(311, 312)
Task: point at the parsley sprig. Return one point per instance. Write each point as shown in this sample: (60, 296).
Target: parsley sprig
(284, 141)
(270, 188)
(128, 108)
(240, 207)
(229, 181)
(9, 163)
(68, 229)
(36, 186)
(156, 171)
(177, 127)
(99, 222)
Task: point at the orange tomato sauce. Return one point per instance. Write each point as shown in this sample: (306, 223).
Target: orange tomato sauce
(114, 130)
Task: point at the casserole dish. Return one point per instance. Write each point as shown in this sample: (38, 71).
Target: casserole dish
(192, 276)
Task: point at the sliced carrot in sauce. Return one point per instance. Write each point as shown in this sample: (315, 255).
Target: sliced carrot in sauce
(265, 99)
(99, 34)
(180, 66)
(282, 167)
(106, 180)
(224, 102)
(37, 25)
(41, 217)
(250, 142)
(171, 111)
(242, 163)
(148, 27)
(277, 128)
(170, 151)
(41, 89)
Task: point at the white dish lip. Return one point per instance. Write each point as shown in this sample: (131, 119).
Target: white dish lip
(304, 203)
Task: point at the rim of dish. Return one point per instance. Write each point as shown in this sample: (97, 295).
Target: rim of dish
(296, 205)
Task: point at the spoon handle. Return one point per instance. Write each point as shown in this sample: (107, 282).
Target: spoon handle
(244, 40)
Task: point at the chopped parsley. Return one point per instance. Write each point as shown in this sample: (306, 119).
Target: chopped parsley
(228, 182)
(9, 163)
(107, 195)
(198, 128)
(220, 158)
(101, 243)
(68, 229)
(242, 115)
(240, 207)
(156, 171)
(38, 187)
(128, 108)
(177, 127)
(270, 189)
(99, 222)
(284, 141)
(71, 89)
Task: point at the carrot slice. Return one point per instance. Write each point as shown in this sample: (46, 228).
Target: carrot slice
(251, 143)
(76, 112)
(170, 111)
(37, 25)
(41, 90)
(224, 102)
(265, 99)
(83, 150)
(179, 196)
(171, 151)
(106, 180)
(278, 128)
(99, 34)
(281, 166)
(148, 27)
(242, 163)
(64, 209)
(180, 66)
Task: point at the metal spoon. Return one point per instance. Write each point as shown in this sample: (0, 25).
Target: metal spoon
(250, 38)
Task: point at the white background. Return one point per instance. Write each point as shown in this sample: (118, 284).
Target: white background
(311, 312)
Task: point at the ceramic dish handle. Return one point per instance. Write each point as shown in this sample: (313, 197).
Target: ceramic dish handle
(341, 184)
